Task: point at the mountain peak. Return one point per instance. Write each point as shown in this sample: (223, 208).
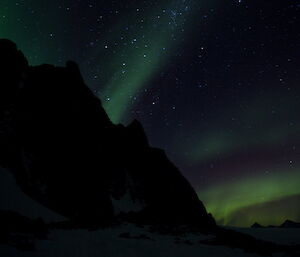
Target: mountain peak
(65, 152)
(290, 224)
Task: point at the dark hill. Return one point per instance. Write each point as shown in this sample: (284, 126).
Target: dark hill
(64, 152)
(256, 225)
(285, 224)
(290, 224)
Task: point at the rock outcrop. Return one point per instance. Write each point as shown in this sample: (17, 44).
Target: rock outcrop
(57, 140)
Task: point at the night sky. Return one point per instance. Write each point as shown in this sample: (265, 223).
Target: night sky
(216, 83)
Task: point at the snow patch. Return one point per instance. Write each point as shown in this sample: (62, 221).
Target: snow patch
(12, 198)
(127, 202)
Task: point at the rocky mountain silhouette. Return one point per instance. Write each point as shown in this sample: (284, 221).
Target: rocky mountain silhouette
(64, 152)
(256, 225)
(290, 224)
(285, 224)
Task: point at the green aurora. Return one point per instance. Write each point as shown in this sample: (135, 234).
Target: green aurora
(261, 128)
(236, 192)
(137, 60)
(225, 200)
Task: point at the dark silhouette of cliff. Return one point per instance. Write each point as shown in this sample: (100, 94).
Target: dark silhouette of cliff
(64, 152)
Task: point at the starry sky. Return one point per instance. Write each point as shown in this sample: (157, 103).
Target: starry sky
(216, 83)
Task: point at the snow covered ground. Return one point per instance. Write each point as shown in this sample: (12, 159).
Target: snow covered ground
(129, 240)
(289, 236)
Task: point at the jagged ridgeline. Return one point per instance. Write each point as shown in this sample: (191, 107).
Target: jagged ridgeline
(65, 153)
